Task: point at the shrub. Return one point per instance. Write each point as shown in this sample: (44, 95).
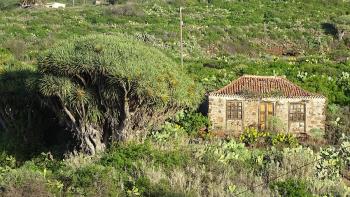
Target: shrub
(251, 136)
(293, 158)
(337, 123)
(23, 182)
(291, 187)
(282, 139)
(122, 156)
(192, 122)
(126, 156)
(143, 187)
(275, 124)
(345, 151)
(169, 132)
(128, 9)
(17, 47)
(215, 64)
(317, 133)
(328, 165)
(261, 161)
(6, 161)
(8, 4)
(342, 25)
(45, 161)
(93, 180)
(228, 151)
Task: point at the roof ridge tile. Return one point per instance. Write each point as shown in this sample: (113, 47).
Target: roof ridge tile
(255, 85)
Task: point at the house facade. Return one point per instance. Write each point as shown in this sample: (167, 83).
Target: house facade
(263, 102)
(55, 5)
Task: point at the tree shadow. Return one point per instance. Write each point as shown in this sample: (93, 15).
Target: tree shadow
(27, 126)
(330, 29)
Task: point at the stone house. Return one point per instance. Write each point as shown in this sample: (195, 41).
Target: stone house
(97, 2)
(261, 101)
(55, 5)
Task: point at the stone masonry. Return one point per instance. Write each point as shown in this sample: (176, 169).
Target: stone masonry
(314, 115)
(313, 105)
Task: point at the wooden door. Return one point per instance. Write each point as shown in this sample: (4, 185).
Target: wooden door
(266, 110)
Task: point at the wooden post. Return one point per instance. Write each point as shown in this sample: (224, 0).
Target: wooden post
(181, 39)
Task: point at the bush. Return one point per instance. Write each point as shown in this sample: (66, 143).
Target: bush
(345, 151)
(251, 136)
(45, 161)
(293, 158)
(170, 132)
(23, 182)
(17, 47)
(6, 161)
(92, 180)
(8, 4)
(292, 188)
(192, 122)
(282, 139)
(275, 124)
(228, 151)
(143, 187)
(328, 165)
(126, 156)
(317, 133)
(128, 9)
(338, 123)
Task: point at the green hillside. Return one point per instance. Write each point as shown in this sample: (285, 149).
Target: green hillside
(230, 35)
(67, 74)
(220, 28)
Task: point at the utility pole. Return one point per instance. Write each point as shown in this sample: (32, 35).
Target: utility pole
(181, 39)
(73, 3)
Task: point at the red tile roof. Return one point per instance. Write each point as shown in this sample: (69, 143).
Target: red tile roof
(263, 86)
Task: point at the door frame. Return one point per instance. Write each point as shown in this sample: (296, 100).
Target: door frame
(266, 113)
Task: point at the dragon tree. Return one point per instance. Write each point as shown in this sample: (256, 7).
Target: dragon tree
(112, 88)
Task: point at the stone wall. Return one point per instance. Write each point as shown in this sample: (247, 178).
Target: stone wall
(250, 111)
(217, 112)
(315, 113)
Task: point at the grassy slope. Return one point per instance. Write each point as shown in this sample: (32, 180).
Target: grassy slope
(230, 35)
(240, 36)
(229, 28)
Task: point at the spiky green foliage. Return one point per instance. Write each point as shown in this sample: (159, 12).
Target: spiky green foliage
(113, 86)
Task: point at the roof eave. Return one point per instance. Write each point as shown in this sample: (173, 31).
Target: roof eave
(266, 97)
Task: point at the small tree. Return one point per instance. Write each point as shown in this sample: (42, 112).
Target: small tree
(342, 25)
(28, 3)
(112, 87)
